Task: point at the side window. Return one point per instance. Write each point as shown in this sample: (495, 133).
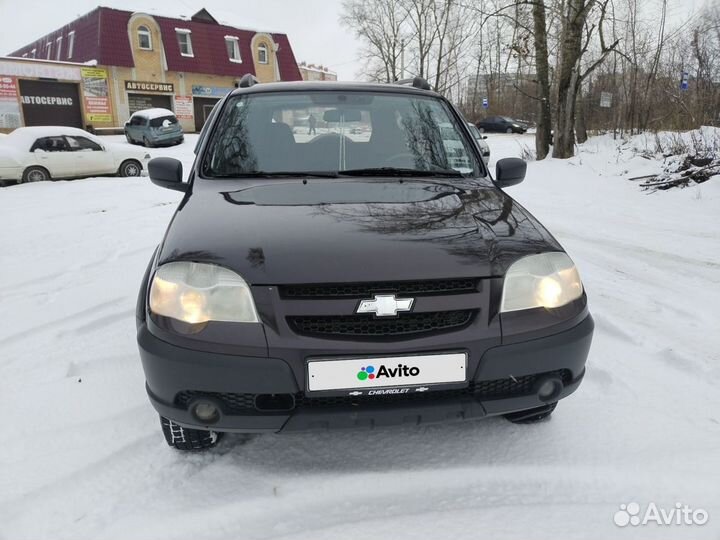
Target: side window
(51, 144)
(83, 143)
(40, 144)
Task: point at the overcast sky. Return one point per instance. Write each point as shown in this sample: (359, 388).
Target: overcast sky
(312, 25)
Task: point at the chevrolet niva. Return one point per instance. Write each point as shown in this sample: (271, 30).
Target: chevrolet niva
(343, 258)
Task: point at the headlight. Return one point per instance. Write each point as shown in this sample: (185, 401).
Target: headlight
(548, 280)
(197, 293)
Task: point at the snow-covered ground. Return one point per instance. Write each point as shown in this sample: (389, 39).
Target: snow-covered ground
(82, 456)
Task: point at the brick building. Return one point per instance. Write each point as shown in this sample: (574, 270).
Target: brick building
(100, 68)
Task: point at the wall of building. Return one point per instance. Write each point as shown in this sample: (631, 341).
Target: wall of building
(109, 93)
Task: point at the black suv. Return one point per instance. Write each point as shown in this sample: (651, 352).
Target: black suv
(342, 258)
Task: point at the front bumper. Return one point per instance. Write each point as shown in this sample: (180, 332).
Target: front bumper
(506, 375)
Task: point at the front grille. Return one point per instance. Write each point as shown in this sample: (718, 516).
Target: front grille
(482, 390)
(367, 326)
(365, 290)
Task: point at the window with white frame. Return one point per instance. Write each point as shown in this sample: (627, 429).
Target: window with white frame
(263, 53)
(71, 44)
(232, 44)
(48, 50)
(58, 52)
(184, 41)
(144, 38)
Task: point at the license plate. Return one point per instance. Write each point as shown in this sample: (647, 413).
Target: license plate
(383, 372)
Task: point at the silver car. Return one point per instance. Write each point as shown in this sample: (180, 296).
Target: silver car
(480, 140)
(154, 127)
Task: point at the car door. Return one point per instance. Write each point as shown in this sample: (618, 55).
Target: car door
(53, 153)
(92, 155)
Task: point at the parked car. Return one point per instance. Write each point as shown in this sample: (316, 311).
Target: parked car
(330, 283)
(33, 154)
(154, 127)
(480, 139)
(503, 124)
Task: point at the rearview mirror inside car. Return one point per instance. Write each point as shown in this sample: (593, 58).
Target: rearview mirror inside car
(342, 115)
(510, 171)
(167, 172)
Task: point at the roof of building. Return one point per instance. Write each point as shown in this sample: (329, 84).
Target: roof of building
(102, 35)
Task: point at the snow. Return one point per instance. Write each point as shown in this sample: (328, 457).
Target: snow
(22, 138)
(82, 455)
(151, 114)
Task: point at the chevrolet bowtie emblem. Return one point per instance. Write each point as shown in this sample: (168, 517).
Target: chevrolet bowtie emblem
(385, 305)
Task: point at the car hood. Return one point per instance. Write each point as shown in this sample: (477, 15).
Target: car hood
(346, 230)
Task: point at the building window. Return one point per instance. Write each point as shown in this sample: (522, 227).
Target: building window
(144, 38)
(48, 50)
(233, 49)
(184, 41)
(58, 42)
(71, 44)
(263, 53)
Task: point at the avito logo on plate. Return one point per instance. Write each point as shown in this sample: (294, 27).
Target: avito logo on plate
(368, 372)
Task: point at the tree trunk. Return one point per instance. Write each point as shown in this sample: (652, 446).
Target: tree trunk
(573, 21)
(544, 122)
(580, 124)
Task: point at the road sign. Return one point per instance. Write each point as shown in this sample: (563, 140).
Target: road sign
(485, 103)
(684, 80)
(606, 99)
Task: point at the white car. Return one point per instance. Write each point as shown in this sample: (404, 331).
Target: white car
(33, 154)
(480, 140)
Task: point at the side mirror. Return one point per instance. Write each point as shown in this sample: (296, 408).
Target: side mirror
(167, 173)
(484, 137)
(510, 171)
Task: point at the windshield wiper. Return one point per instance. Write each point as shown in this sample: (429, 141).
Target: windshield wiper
(277, 174)
(395, 171)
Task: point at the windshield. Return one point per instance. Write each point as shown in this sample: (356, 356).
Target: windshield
(332, 132)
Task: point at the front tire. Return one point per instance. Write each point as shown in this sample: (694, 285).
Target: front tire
(35, 174)
(532, 416)
(508, 130)
(187, 439)
(146, 143)
(130, 168)
(481, 129)
(129, 138)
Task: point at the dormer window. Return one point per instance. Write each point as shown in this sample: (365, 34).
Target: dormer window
(232, 43)
(262, 54)
(184, 41)
(144, 38)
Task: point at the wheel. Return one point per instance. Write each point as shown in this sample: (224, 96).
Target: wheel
(129, 138)
(35, 174)
(508, 130)
(146, 142)
(531, 416)
(188, 439)
(481, 129)
(130, 167)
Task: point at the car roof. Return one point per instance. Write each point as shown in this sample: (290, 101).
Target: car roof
(333, 86)
(24, 136)
(155, 112)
